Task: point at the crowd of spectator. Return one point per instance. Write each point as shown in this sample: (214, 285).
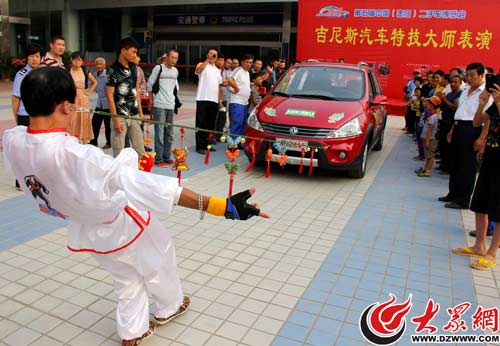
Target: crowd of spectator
(228, 89)
(454, 118)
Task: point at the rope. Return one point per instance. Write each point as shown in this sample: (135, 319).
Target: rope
(195, 129)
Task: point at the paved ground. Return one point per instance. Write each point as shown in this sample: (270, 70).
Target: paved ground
(333, 246)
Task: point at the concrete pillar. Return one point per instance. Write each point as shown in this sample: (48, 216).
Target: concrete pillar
(70, 27)
(5, 27)
(150, 44)
(126, 22)
(14, 45)
(83, 35)
(286, 30)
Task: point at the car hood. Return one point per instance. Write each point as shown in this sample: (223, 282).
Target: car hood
(307, 112)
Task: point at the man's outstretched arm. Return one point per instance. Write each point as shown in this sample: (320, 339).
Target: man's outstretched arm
(235, 207)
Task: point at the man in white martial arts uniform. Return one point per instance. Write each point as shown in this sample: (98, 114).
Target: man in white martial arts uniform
(107, 203)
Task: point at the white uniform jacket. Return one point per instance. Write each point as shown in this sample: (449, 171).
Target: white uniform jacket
(106, 201)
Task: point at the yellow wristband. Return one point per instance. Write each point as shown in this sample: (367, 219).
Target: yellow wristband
(217, 206)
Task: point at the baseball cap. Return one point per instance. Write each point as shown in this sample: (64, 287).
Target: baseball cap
(436, 101)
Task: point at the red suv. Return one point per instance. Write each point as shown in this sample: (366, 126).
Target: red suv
(337, 108)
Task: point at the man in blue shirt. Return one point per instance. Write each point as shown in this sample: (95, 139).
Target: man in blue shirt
(32, 53)
(101, 105)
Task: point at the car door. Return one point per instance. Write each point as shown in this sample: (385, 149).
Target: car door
(377, 110)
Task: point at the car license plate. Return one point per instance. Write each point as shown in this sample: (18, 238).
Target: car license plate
(292, 144)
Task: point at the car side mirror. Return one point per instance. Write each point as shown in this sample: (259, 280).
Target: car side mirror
(379, 100)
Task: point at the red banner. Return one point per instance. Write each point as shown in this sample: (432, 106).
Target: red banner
(395, 39)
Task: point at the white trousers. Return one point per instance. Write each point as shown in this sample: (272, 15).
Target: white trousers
(145, 270)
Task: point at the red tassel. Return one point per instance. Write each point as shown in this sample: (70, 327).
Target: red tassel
(252, 149)
(209, 146)
(302, 159)
(311, 163)
(269, 157)
(207, 156)
(231, 181)
(182, 131)
(179, 173)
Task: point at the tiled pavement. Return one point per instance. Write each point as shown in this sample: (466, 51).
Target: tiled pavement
(334, 246)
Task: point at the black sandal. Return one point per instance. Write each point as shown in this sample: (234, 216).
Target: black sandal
(182, 309)
(145, 336)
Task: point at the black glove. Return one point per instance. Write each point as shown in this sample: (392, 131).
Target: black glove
(238, 209)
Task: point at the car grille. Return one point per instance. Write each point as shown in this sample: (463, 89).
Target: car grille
(302, 131)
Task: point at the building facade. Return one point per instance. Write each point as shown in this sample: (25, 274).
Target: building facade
(266, 29)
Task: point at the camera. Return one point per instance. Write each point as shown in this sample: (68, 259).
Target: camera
(492, 79)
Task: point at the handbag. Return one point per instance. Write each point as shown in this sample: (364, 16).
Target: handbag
(156, 84)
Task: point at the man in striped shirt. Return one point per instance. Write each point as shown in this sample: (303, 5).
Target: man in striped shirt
(53, 56)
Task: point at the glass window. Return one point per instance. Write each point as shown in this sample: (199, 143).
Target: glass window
(322, 82)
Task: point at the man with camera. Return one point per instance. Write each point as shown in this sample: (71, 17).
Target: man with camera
(486, 199)
(208, 96)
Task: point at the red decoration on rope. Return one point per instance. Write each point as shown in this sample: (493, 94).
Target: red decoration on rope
(252, 149)
(180, 156)
(147, 140)
(147, 162)
(183, 133)
(231, 181)
(311, 163)
(302, 159)
(269, 157)
(209, 146)
(232, 154)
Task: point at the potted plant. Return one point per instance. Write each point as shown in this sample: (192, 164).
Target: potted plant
(7, 66)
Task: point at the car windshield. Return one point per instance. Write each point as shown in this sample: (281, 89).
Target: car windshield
(322, 82)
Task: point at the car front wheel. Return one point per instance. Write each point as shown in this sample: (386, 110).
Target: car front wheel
(359, 171)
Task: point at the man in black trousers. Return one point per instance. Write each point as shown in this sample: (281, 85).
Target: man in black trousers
(463, 164)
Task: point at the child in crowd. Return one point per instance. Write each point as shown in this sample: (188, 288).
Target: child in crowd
(411, 113)
(419, 128)
(256, 80)
(416, 104)
(428, 137)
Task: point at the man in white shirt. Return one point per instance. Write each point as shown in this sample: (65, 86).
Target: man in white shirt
(208, 96)
(463, 163)
(32, 52)
(240, 95)
(163, 105)
(108, 204)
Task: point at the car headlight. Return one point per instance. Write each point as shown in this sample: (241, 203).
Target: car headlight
(253, 122)
(350, 129)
